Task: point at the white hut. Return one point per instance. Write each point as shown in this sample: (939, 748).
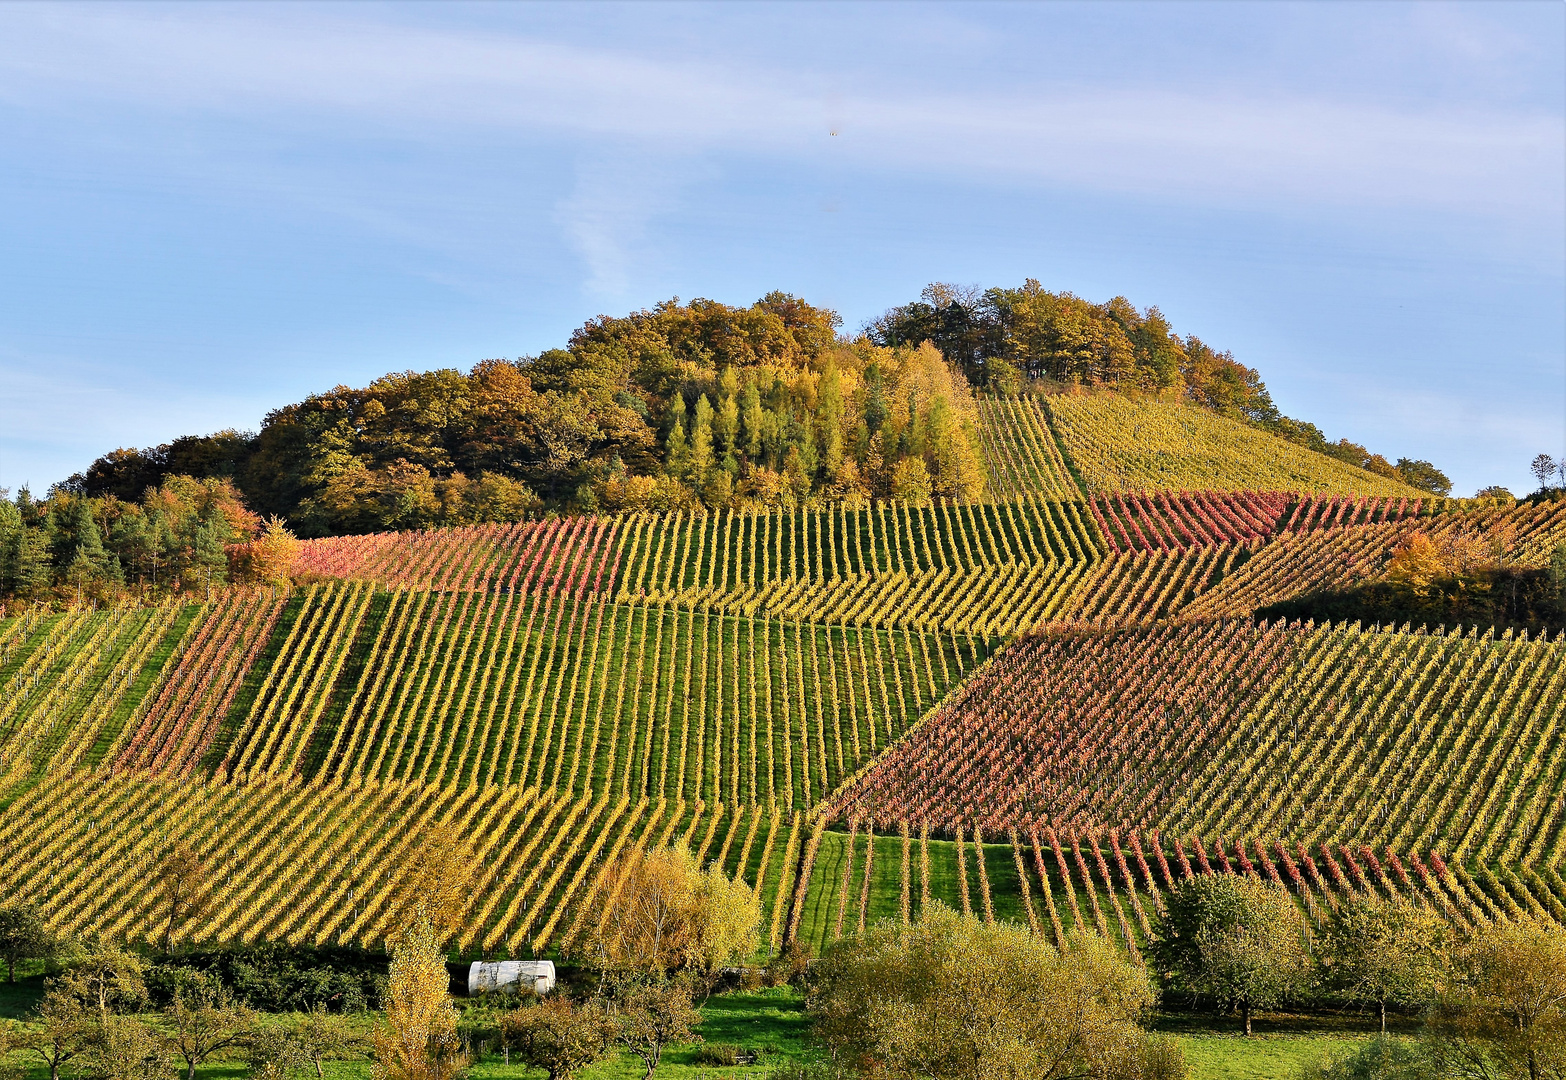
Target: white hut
(511, 975)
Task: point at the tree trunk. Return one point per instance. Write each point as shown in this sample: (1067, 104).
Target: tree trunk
(1383, 1005)
(174, 903)
(10, 969)
(1245, 1013)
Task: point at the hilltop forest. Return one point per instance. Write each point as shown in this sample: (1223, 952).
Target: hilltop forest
(686, 406)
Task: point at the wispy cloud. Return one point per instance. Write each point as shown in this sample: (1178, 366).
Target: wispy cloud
(54, 406)
(606, 217)
(439, 85)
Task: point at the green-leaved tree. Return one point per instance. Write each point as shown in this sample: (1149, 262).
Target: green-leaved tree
(1504, 1015)
(1383, 952)
(954, 998)
(23, 936)
(1233, 938)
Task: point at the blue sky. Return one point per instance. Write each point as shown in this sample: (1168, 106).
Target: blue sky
(207, 211)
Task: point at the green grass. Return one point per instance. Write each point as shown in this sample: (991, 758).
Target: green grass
(1261, 1057)
(1215, 1048)
(943, 875)
(819, 916)
(816, 918)
(19, 998)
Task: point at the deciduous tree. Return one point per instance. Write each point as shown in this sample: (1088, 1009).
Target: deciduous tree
(104, 977)
(203, 1019)
(275, 1054)
(269, 559)
(1543, 469)
(23, 936)
(557, 1036)
(1504, 1014)
(419, 1039)
(60, 1030)
(323, 1035)
(434, 885)
(669, 915)
(1383, 952)
(646, 1018)
(183, 887)
(128, 1048)
(1233, 938)
(954, 997)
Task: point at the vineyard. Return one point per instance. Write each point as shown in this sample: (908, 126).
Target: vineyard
(560, 690)
(1313, 558)
(1449, 742)
(1021, 451)
(308, 863)
(561, 553)
(1113, 882)
(719, 552)
(1118, 444)
(1044, 706)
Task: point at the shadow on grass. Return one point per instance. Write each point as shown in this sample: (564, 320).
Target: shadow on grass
(1312, 1022)
(18, 999)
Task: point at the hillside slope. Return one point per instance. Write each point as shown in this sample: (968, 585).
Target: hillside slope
(1046, 705)
(1452, 742)
(1123, 444)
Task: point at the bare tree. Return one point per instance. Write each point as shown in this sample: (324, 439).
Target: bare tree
(1544, 470)
(182, 879)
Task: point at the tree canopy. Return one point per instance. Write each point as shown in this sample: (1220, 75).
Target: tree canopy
(181, 536)
(686, 405)
(683, 406)
(1503, 1014)
(669, 915)
(1234, 939)
(1383, 952)
(1451, 580)
(954, 997)
(999, 336)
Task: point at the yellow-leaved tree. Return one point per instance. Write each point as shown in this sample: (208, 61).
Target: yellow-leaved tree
(1417, 562)
(274, 553)
(668, 915)
(728, 921)
(419, 1039)
(954, 998)
(436, 883)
